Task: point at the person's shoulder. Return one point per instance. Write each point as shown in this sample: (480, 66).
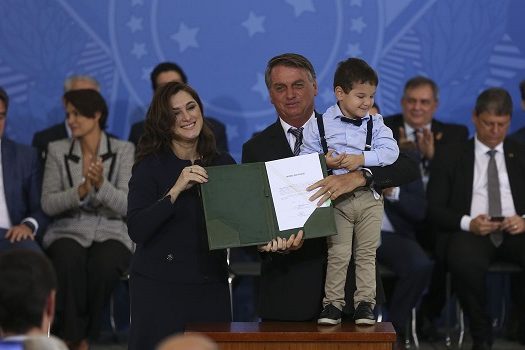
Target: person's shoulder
(518, 135)
(138, 125)
(153, 163)
(448, 152)
(22, 150)
(393, 119)
(265, 135)
(122, 145)
(59, 145)
(223, 158)
(214, 122)
(54, 129)
(514, 144)
(377, 118)
(43, 342)
(450, 126)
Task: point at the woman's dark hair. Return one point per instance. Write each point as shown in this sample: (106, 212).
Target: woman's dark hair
(158, 127)
(88, 102)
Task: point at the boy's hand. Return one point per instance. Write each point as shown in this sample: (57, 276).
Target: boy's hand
(333, 162)
(352, 161)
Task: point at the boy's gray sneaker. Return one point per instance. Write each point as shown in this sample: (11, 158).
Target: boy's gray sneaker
(364, 314)
(330, 316)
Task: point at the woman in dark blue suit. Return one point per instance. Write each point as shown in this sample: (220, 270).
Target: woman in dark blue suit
(175, 278)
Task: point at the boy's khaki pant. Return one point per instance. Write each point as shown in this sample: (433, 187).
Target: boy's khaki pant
(359, 214)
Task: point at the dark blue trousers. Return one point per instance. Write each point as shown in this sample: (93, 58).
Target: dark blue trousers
(413, 268)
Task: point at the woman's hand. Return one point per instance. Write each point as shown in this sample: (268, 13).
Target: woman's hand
(188, 177)
(84, 187)
(95, 174)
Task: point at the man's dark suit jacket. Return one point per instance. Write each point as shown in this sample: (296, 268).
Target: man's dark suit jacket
(519, 135)
(444, 133)
(42, 138)
(409, 211)
(22, 174)
(450, 184)
(218, 128)
(292, 285)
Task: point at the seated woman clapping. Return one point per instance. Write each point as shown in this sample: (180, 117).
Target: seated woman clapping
(85, 191)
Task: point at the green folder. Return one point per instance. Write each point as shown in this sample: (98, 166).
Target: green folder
(239, 209)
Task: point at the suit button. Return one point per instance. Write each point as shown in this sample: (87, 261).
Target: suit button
(169, 257)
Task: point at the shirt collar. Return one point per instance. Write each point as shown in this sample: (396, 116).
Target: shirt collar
(335, 112)
(410, 130)
(481, 148)
(287, 126)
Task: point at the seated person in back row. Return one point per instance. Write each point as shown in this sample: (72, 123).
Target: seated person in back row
(360, 213)
(476, 196)
(61, 130)
(85, 189)
(167, 72)
(21, 217)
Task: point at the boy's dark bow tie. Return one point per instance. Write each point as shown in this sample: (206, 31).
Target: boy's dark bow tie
(356, 121)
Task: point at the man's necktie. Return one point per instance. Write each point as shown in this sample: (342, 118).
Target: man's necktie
(494, 195)
(355, 121)
(298, 133)
(424, 162)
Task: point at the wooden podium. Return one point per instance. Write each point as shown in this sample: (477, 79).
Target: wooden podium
(296, 335)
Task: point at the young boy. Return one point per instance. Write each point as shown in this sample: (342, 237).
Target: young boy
(355, 139)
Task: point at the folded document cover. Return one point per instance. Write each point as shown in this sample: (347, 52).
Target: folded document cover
(239, 207)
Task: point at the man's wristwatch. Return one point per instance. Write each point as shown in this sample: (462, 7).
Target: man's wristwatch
(369, 178)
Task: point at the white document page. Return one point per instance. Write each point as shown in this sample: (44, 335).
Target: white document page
(289, 179)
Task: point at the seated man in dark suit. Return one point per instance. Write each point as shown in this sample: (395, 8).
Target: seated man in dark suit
(519, 135)
(421, 134)
(416, 128)
(291, 285)
(405, 209)
(61, 131)
(21, 217)
(477, 198)
(166, 72)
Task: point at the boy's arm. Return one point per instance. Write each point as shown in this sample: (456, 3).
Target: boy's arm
(311, 139)
(384, 147)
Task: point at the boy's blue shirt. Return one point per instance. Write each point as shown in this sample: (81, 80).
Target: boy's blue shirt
(348, 138)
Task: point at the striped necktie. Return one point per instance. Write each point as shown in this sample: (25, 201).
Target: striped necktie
(298, 133)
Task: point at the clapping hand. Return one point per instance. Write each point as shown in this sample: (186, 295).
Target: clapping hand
(95, 173)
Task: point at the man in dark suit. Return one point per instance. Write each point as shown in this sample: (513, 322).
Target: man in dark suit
(293, 270)
(420, 134)
(61, 131)
(21, 217)
(519, 135)
(166, 72)
(416, 128)
(476, 184)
